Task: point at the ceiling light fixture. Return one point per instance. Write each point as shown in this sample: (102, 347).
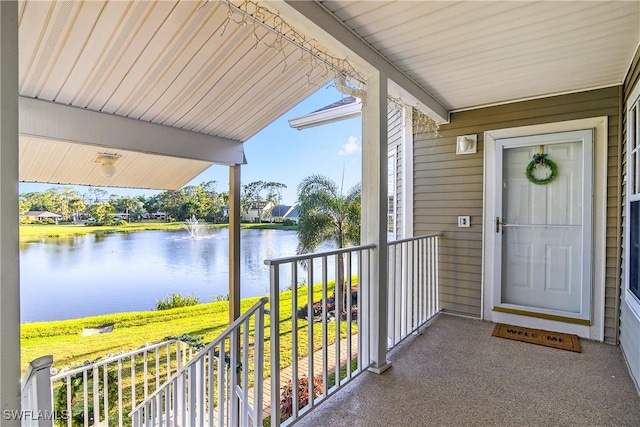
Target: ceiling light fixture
(107, 164)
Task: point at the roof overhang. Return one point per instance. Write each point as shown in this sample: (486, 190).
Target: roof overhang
(327, 115)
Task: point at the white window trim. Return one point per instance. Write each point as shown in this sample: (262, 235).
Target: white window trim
(630, 299)
(392, 156)
(406, 172)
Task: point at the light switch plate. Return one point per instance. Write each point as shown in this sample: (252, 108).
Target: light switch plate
(464, 221)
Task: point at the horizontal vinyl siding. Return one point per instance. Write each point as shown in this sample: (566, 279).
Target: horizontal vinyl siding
(629, 323)
(447, 185)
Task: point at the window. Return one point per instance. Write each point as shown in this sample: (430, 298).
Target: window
(632, 217)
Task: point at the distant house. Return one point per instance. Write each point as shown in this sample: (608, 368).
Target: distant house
(281, 212)
(278, 212)
(259, 210)
(41, 216)
(159, 215)
(121, 215)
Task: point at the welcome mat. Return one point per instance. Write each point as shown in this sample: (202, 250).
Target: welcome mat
(538, 336)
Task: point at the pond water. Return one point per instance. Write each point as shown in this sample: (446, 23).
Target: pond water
(108, 273)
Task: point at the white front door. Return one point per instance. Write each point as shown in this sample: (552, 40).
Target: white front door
(543, 233)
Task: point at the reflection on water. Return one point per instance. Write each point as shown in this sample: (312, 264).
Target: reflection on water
(107, 273)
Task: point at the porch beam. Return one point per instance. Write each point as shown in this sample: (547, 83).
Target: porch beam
(48, 120)
(9, 249)
(374, 212)
(234, 242)
(337, 36)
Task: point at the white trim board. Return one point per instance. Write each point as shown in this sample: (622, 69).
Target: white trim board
(533, 98)
(407, 173)
(327, 116)
(596, 330)
(627, 296)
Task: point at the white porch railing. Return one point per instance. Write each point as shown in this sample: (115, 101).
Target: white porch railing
(36, 394)
(98, 393)
(213, 388)
(327, 330)
(413, 285)
(327, 327)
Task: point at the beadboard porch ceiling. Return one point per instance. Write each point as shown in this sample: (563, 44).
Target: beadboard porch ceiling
(473, 53)
(189, 65)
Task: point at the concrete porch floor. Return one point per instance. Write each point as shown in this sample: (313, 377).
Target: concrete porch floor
(457, 374)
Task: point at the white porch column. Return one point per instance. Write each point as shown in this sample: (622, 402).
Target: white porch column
(234, 242)
(9, 231)
(374, 211)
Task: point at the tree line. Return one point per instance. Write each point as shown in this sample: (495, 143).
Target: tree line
(202, 201)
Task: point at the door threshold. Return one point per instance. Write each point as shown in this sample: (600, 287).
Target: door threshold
(546, 316)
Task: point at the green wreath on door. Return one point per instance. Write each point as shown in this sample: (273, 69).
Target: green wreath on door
(541, 160)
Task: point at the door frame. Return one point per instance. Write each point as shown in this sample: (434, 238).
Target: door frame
(596, 330)
(586, 216)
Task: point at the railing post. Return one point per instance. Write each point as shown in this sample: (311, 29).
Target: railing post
(274, 337)
(36, 393)
(258, 368)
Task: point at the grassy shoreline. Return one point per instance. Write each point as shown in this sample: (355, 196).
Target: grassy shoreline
(63, 338)
(39, 232)
(64, 341)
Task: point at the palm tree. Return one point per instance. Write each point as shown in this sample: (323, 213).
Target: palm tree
(326, 214)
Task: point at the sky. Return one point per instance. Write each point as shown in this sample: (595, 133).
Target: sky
(282, 154)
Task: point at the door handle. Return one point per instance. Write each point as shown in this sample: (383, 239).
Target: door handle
(497, 224)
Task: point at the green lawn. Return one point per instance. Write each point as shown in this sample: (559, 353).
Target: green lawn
(37, 232)
(268, 226)
(64, 341)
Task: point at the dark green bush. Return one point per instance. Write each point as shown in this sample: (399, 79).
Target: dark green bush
(175, 301)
